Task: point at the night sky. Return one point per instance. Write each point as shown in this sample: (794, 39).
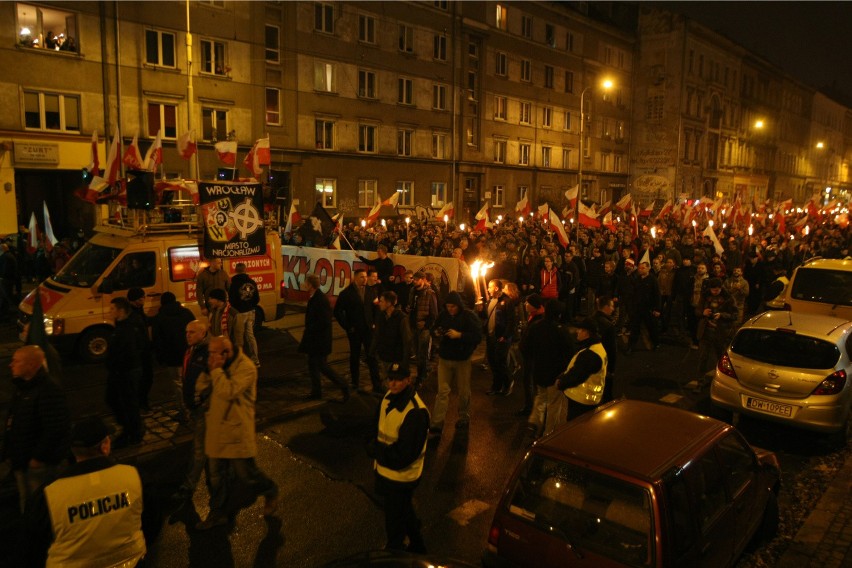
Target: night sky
(810, 40)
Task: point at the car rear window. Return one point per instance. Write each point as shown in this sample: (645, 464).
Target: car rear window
(785, 349)
(826, 286)
(586, 509)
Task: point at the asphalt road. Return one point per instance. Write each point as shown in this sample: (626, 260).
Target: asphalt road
(329, 508)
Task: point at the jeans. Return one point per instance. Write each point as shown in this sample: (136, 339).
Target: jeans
(423, 343)
(244, 335)
(246, 471)
(449, 372)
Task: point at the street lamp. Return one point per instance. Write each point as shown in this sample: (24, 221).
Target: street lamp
(606, 85)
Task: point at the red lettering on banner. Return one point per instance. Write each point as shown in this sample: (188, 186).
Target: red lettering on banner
(295, 268)
(265, 282)
(324, 271)
(342, 276)
(253, 263)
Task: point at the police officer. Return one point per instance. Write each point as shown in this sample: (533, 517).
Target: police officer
(92, 515)
(583, 380)
(398, 450)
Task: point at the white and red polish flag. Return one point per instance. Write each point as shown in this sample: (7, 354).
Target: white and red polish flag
(227, 152)
(186, 145)
(154, 155)
(132, 156)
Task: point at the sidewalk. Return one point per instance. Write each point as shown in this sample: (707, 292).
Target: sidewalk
(825, 540)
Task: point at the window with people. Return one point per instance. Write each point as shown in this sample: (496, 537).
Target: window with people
(46, 28)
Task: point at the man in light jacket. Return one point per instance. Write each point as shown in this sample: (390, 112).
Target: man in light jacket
(229, 441)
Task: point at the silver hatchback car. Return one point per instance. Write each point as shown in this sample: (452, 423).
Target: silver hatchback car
(789, 367)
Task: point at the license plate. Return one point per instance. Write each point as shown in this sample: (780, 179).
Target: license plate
(770, 407)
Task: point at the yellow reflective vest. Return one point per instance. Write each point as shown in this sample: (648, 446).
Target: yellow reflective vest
(96, 519)
(777, 303)
(389, 425)
(591, 390)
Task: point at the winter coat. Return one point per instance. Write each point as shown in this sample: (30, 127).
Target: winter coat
(466, 322)
(243, 294)
(316, 340)
(548, 347)
(206, 281)
(230, 419)
(168, 329)
(391, 341)
(124, 350)
(38, 425)
(353, 314)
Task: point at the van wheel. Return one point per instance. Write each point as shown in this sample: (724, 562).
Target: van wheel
(92, 345)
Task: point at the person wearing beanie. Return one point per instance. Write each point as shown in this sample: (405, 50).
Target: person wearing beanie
(718, 312)
(458, 332)
(583, 381)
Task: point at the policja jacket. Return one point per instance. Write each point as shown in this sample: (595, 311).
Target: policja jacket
(230, 419)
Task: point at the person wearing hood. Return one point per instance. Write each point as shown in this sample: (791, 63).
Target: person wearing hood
(459, 332)
(583, 381)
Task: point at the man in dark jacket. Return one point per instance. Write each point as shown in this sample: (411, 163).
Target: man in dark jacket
(36, 440)
(645, 307)
(169, 340)
(547, 347)
(244, 297)
(498, 315)
(383, 266)
(422, 312)
(609, 340)
(718, 312)
(136, 296)
(194, 364)
(459, 332)
(391, 338)
(534, 308)
(316, 341)
(124, 373)
(354, 312)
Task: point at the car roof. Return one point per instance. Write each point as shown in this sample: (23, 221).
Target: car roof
(814, 325)
(829, 263)
(643, 439)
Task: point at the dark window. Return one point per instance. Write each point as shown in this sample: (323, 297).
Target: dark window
(137, 269)
(826, 286)
(785, 349)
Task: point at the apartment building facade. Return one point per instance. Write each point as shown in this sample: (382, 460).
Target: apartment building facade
(438, 101)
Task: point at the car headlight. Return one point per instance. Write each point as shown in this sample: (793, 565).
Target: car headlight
(54, 326)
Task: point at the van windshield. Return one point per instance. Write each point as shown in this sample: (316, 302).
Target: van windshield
(785, 349)
(819, 285)
(586, 509)
(87, 265)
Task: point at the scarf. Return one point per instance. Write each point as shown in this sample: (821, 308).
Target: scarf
(223, 321)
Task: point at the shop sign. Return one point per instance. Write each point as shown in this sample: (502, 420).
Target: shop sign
(32, 153)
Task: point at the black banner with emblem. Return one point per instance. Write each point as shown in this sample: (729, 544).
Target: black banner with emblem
(233, 219)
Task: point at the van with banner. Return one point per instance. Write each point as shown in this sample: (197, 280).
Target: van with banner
(161, 250)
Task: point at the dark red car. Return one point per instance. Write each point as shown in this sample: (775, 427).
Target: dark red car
(636, 484)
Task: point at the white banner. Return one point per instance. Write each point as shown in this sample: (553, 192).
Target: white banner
(335, 268)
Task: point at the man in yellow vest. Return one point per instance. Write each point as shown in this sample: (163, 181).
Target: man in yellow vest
(398, 450)
(91, 516)
(583, 381)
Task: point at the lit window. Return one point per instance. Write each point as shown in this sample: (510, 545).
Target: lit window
(439, 193)
(324, 134)
(326, 192)
(502, 17)
(51, 111)
(159, 48)
(324, 77)
(214, 125)
(213, 57)
(367, 191)
(162, 117)
(273, 106)
(405, 189)
(47, 28)
(272, 43)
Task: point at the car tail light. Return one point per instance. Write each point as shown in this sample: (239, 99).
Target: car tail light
(725, 367)
(282, 290)
(832, 384)
(494, 535)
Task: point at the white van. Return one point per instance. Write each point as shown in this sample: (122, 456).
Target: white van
(821, 286)
(157, 259)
